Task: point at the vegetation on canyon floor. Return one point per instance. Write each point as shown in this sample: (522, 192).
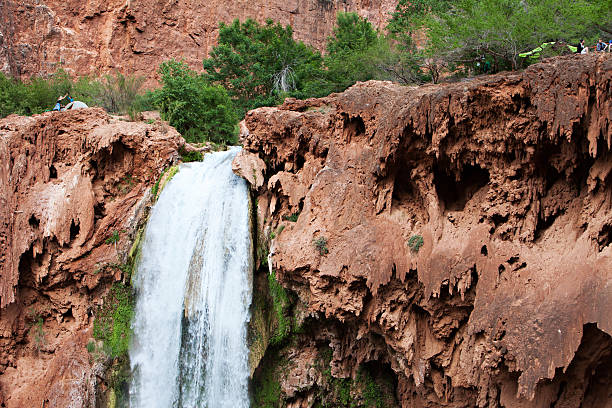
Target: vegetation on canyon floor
(116, 93)
(191, 156)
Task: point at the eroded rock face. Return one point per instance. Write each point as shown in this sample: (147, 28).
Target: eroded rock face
(136, 36)
(507, 179)
(68, 181)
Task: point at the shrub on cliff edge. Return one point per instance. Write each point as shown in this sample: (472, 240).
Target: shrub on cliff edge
(116, 93)
(199, 111)
(260, 64)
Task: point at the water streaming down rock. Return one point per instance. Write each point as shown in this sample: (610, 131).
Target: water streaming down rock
(193, 292)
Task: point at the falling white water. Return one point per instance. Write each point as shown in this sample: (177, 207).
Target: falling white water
(193, 292)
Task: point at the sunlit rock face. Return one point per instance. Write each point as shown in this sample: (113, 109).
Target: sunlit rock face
(134, 37)
(68, 180)
(467, 232)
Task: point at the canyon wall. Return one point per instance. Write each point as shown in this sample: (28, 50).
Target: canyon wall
(74, 189)
(135, 36)
(452, 239)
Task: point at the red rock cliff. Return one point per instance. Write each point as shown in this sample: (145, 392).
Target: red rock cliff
(68, 180)
(508, 181)
(135, 36)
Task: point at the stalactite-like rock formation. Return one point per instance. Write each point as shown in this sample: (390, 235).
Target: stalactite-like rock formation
(458, 236)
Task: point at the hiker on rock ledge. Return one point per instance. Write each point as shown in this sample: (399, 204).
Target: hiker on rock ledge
(58, 104)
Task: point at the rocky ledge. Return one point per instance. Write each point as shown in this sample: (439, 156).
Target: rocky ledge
(454, 239)
(73, 189)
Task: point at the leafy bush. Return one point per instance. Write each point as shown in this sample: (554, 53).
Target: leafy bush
(11, 92)
(293, 217)
(116, 93)
(190, 156)
(469, 34)
(260, 64)
(321, 245)
(34, 96)
(415, 243)
(199, 111)
(113, 319)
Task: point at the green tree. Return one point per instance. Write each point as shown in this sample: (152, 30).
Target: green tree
(11, 93)
(198, 110)
(351, 34)
(410, 63)
(351, 53)
(466, 32)
(260, 64)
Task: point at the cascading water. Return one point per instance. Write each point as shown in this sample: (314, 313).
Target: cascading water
(193, 292)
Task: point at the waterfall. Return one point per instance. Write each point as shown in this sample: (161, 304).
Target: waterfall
(193, 287)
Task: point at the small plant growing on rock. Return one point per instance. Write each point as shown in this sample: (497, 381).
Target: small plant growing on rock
(155, 187)
(113, 318)
(276, 233)
(38, 333)
(190, 156)
(91, 347)
(113, 238)
(293, 217)
(321, 245)
(281, 303)
(415, 243)
(127, 183)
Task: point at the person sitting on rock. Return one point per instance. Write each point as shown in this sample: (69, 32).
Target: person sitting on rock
(580, 47)
(58, 104)
(601, 46)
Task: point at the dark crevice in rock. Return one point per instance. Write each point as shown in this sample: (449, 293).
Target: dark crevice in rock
(454, 192)
(604, 238)
(52, 172)
(353, 127)
(33, 221)
(74, 230)
(99, 210)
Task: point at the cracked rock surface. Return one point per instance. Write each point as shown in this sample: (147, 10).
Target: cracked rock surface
(466, 228)
(68, 181)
